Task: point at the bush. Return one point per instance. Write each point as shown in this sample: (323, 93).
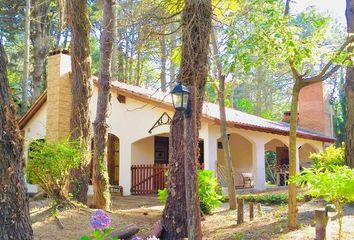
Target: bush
(49, 165)
(271, 199)
(210, 196)
(331, 156)
(335, 184)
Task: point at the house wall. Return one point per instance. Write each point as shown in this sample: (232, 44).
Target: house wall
(131, 121)
(241, 153)
(143, 151)
(35, 129)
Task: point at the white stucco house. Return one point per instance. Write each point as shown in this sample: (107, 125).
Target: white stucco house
(138, 140)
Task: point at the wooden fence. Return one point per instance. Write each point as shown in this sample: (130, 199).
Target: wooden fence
(149, 178)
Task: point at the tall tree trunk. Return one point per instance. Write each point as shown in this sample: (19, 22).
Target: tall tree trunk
(25, 78)
(292, 205)
(121, 74)
(126, 67)
(40, 39)
(196, 26)
(163, 57)
(138, 66)
(101, 194)
(79, 22)
(175, 216)
(172, 65)
(349, 90)
(14, 209)
(232, 92)
(190, 173)
(223, 127)
(260, 78)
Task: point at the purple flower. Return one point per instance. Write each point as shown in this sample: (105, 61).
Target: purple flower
(100, 220)
(137, 238)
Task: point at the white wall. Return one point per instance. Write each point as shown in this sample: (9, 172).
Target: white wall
(143, 151)
(35, 129)
(132, 120)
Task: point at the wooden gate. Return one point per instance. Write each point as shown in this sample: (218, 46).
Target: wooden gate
(148, 178)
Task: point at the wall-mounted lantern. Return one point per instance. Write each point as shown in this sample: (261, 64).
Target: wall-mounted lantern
(180, 99)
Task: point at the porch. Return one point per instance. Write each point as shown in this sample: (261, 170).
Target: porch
(139, 166)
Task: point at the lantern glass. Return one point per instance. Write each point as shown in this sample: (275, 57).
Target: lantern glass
(180, 97)
(178, 101)
(185, 98)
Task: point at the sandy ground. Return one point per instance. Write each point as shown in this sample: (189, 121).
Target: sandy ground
(222, 224)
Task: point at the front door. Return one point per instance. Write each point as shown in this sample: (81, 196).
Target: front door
(113, 159)
(161, 150)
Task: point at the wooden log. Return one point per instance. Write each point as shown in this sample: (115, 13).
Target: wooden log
(259, 209)
(251, 207)
(240, 203)
(124, 232)
(321, 219)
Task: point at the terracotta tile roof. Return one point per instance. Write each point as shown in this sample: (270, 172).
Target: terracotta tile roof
(234, 117)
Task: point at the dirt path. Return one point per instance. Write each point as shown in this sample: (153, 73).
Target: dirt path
(144, 211)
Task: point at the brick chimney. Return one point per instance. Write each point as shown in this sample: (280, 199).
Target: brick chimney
(313, 108)
(59, 97)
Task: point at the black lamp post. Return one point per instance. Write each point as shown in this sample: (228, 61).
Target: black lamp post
(180, 99)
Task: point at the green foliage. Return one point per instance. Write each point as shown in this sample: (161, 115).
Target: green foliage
(209, 192)
(239, 236)
(334, 184)
(331, 156)
(270, 199)
(100, 235)
(270, 162)
(50, 163)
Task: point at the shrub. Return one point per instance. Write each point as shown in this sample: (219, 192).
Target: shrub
(334, 184)
(210, 196)
(50, 163)
(331, 156)
(271, 199)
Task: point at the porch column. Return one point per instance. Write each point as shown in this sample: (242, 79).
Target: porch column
(210, 151)
(125, 153)
(259, 164)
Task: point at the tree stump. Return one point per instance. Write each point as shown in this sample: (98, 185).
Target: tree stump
(259, 209)
(251, 207)
(321, 219)
(240, 202)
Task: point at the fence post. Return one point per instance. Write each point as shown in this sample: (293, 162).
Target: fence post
(321, 219)
(251, 206)
(240, 202)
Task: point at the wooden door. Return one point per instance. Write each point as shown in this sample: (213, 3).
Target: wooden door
(161, 150)
(113, 159)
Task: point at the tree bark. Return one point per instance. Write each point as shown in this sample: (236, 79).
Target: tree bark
(292, 205)
(196, 26)
(163, 57)
(14, 208)
(78, 20)
(101, 194)
(349, 90)
(223, 127)
(172, 65)
(174, 219)
(40, 39)
(25, 78)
